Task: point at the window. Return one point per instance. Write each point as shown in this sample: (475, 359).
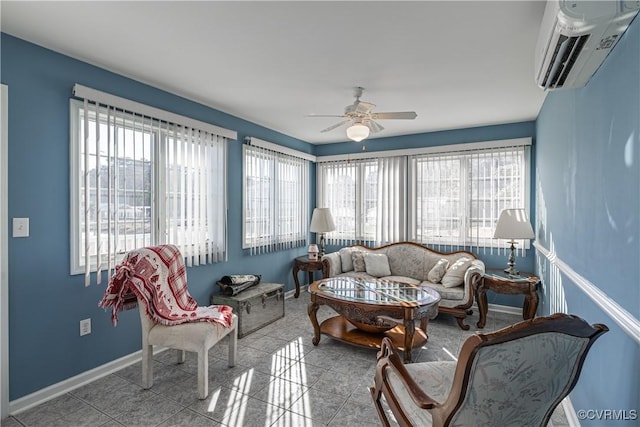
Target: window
(457, 197)
(276, 205)
(447, 197)
(138, 181)
(366, 199)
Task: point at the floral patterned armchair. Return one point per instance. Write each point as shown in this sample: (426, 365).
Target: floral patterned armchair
(516, 376)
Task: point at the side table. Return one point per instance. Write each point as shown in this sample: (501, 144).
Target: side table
(498, 281)
(305, 264)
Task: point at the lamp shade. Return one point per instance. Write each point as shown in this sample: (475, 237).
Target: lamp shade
(513, 224)
(357, 132)
(322, 221)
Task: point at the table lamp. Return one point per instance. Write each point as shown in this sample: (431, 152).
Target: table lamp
(321, 222)
(513, 224)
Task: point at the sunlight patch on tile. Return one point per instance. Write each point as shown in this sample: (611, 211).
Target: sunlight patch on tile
(449, 354)
(292, 350)
(242, 383)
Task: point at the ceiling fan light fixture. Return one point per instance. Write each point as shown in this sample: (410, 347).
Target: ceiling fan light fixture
(357, 132)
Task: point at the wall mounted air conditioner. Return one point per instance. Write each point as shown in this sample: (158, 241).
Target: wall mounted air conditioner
(576, 36)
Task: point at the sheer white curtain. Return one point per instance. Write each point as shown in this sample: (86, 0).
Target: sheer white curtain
(275, 200)
(141, 181)
(367, 199)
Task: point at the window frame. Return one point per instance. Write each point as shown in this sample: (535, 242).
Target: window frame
(465, 158)
(410, 212)
(159, 176)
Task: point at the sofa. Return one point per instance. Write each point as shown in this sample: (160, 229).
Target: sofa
(454, 275)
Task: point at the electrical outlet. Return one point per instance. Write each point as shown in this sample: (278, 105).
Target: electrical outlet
(85, 327)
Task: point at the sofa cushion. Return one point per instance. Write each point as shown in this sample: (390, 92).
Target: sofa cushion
(407, 261)
(357, 257)
(438, 270)
(376, 265)
(345, 257)
(455, 273)
(455, 294)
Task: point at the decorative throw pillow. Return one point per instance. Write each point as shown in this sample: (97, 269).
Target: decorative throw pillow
(438, 270)
(357, 257)
(345, 257)
(455, 274)
(377, 265)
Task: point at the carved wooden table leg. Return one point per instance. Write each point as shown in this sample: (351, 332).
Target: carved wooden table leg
(305, 264)
(312, 309)
(423, 324)
(409, 330)
(481, 298)
(296, 269)
(530, 304)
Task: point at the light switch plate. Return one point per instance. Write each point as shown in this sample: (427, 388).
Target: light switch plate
(20, 227)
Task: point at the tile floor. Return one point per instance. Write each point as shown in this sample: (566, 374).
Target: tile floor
(280, 379)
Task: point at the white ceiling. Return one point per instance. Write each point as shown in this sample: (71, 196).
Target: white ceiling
(457, 64)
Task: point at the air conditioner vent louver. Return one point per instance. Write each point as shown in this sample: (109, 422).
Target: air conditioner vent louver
(568, 48)
(575, 38)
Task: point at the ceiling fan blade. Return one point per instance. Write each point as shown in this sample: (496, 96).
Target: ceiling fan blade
(324, 115)
(408, 115)
(375, 127)
(336, 125)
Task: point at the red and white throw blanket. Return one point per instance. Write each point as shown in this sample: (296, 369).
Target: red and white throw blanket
(157, 276)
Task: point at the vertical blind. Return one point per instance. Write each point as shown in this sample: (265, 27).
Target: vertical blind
(457, 197)
(446, 199)
(367, 199)
(143, 181)
(275, 199)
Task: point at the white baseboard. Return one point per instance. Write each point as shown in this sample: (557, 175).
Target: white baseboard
(63, 387)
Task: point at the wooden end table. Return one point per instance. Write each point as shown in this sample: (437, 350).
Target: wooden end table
(305, 264)
(498, 281)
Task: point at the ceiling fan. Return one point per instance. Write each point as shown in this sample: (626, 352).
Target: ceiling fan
(362, 119)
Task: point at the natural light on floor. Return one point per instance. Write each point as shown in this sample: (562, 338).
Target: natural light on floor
(287, 385)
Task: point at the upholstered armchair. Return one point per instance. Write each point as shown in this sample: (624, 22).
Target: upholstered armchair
(516, 376)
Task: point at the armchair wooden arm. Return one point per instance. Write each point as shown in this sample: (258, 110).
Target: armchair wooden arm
(393, 361)
(389, 359)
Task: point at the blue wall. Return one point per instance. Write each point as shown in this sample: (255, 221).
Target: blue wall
(46, 303)
(588, 210)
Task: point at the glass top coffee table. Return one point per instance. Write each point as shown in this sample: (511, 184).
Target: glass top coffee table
(370, 309)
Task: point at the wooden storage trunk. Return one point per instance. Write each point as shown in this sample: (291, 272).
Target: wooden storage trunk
(256, 307)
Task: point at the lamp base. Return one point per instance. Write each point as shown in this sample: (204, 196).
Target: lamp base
(321, 254)
(511, 269)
